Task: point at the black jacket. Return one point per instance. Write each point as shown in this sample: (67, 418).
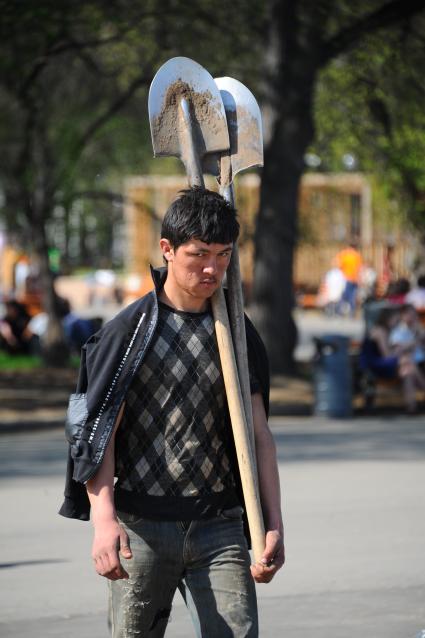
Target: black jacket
(109, 360)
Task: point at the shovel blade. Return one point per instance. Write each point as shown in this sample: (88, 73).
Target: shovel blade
(179, 78)
(244, 125)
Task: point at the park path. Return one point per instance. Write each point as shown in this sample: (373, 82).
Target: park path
(355, 536)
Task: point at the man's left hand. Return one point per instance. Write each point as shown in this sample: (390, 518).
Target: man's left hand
(272, 559)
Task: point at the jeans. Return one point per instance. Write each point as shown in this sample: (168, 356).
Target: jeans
(349, 297)
(207, 560)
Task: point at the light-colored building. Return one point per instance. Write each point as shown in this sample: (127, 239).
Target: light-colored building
(333, 210)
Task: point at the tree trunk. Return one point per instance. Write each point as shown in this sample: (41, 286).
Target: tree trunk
(55, 350)
(274, 250)
(296, 51)
(290, 103)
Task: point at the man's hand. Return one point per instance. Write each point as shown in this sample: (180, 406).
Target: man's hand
(272, 559)
(110, 539)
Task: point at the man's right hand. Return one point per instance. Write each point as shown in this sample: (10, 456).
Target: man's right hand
(110, 539)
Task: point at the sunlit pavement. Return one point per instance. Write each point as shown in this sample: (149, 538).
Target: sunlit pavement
(355, 537)
(354, 515)
(310, 323)
(313, 323)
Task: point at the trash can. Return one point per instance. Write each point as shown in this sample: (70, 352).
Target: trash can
(332, 377)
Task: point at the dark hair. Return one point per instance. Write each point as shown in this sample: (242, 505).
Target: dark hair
(63, 307)
(18, 307)
(199, 213)
(399, 287)
(385, 315)
(421, 281)
(407, 307)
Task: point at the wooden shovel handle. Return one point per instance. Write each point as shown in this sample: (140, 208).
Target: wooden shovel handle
(237, 325)
(244, 453)
(237, 316)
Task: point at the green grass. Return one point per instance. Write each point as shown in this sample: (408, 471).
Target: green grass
(10, 362)
(19, 362)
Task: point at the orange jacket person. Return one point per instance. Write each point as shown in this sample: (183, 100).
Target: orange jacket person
(350, 262)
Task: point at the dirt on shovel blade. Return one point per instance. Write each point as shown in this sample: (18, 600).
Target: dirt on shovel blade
(165, 126)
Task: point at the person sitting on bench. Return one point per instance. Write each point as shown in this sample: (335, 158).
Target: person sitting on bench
(387, 361)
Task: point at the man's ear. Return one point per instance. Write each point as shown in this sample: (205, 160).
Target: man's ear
(167, 249)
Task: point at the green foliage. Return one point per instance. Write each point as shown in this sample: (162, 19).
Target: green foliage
(369, 103)
(74, 79)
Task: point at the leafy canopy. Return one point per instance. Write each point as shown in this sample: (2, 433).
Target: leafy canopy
(369, 103)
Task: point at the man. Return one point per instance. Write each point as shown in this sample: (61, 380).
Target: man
(151, 410)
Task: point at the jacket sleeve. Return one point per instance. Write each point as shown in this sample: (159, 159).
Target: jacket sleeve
(76, 503)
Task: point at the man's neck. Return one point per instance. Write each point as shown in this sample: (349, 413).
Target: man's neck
(181, 301)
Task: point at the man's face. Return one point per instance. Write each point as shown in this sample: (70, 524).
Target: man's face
(196, 268)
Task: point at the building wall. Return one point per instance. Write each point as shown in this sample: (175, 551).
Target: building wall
(333, 210)
(147, 201)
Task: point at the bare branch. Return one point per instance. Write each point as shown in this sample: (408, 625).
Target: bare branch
(91, 64)
(113, 108)
(55, 50)
(65, 45)
(110, 196)
(383, 17)
(114, 198)
(86, 137)
(31, 77)
(23, 159)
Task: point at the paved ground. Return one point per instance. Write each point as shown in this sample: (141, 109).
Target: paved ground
(355, 526)
(353, 502)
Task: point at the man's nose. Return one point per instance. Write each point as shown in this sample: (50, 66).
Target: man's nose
(211, 266)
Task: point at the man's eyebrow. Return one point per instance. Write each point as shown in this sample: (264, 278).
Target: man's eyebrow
(207, 250)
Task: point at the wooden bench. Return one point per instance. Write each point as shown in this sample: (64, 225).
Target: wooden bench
(369, 387)
(373, 387)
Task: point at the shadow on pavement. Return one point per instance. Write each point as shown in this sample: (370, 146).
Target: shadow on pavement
(33, 454)
(25, 563)
(397, 439)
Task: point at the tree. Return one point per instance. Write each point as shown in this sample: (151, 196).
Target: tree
(50, 56)
(379, 116)
(73, 80)
(303, 39)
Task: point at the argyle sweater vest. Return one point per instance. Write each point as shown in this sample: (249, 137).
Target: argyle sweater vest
(172, 460)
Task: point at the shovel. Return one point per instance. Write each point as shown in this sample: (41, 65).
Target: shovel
(245, 132)
(186, 115)
(188, 120)
(246, 150)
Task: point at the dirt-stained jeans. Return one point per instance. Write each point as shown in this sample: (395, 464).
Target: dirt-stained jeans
(208, 561)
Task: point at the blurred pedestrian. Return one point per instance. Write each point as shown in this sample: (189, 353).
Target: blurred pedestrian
(409, 335)
(15, 335)
(331, 290)
(367, 283)
(416, 296)
(391, 361)
(77, 329)
(397, 290)
(349, 261)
